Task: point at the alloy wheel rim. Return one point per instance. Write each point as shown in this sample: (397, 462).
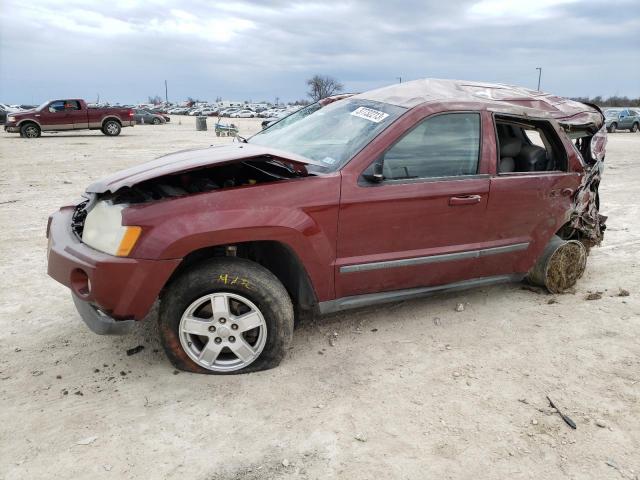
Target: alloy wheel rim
(31, 132)
(223, 331)
(112, 128)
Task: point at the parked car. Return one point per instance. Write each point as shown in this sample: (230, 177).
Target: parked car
(302, 112)
(146, 117)
(243, 114)
(70, 114)
(3, 115)
(622, 119)
(8, 108)
(416, 188)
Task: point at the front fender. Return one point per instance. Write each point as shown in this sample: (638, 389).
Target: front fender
(301, 214)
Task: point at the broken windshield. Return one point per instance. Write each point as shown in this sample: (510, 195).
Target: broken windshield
(333, 134)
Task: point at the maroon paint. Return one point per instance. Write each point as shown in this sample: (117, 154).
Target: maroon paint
(85, 118)
(333, 220)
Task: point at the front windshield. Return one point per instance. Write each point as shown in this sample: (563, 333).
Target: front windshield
(333, 134)
(42, 105)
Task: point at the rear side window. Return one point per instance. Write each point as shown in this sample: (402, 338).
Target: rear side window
(445, 145)
(527, 145)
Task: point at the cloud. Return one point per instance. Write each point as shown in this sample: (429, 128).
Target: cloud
(124, 50)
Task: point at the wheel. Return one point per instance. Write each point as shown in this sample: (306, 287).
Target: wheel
(612, 127)
(111, 128)
(226, 315)
(635, 128)
(560, 266)
(156, 121)
(30, 130)
(217, 134)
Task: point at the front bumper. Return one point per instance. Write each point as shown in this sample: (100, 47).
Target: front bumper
(99, 322)
(112, 288)
(11, 129)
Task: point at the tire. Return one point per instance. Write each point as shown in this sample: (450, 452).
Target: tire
(635, 128)
(111, 128)
(30, 130)
(612, 127)
(156, 121)
(241, 289)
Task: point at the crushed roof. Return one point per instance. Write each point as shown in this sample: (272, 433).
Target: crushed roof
(501, 98)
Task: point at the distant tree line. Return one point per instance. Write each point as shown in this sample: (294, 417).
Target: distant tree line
(614, 101)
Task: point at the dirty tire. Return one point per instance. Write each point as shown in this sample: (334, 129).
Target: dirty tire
(217, 275)
(635, 128)
(612, 127)
(30, 130)
(111, 128)
(156, 121)
(561, 265)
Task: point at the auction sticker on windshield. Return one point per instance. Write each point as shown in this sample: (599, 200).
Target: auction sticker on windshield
(370, 114)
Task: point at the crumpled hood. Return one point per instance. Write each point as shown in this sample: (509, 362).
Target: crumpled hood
(186, 160)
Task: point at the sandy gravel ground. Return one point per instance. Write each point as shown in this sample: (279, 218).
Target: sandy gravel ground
(412, 390)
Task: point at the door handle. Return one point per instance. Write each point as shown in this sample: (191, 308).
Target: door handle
(465, 200)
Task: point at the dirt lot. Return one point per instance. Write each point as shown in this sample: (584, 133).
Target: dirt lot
(410, 390)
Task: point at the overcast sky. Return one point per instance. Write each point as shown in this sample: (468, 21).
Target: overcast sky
(259, 50)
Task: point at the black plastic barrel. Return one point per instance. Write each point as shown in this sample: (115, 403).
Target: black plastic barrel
(201, 123)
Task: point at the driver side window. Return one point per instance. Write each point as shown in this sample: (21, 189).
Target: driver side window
(55, 107)
(445, 145)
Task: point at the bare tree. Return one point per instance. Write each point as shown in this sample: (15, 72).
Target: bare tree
(322, 86)
(157, 100)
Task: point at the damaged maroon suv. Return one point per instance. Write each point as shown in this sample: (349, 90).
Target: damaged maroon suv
(423, 187)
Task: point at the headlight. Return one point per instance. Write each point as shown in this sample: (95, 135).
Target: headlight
(103, 230)
(11, 118)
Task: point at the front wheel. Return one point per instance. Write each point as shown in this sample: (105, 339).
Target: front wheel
(111, 128)
(635, 128)
(30, 130)
(612, 127)
(224, 316)
(156, 121)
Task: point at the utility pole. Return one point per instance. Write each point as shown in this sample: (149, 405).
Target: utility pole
(399, 79)
(539, 76)
(166, 93)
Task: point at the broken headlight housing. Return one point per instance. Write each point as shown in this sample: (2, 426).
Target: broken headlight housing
(103, 230)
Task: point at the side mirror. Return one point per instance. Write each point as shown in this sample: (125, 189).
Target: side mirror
(377, 176)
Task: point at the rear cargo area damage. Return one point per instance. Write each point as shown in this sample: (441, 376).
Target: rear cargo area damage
(586, 223)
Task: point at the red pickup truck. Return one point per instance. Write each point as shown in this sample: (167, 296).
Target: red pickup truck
(417, 188)
(70, 114)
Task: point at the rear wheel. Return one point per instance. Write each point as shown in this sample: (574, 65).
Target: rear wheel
(560, 266)
(226, 315)
(156, 121)
(111, 128)
(30, 130)
(635, 127)
(612, 127)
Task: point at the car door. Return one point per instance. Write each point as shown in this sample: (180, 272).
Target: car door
(424, 223)
(623, 119)
(526, 208)
(76, 114)
(54, 117)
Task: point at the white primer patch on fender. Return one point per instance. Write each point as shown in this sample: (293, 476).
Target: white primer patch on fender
(369, 114)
